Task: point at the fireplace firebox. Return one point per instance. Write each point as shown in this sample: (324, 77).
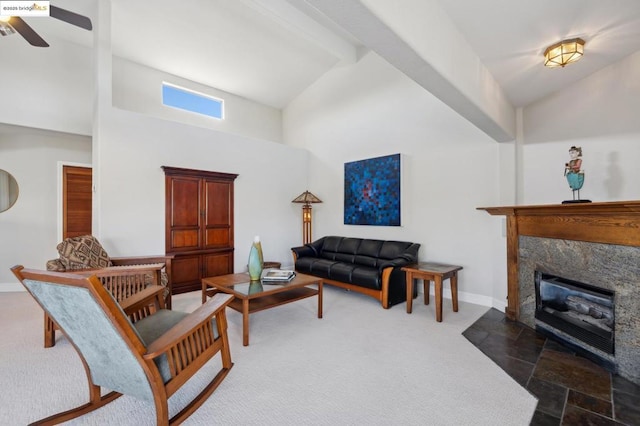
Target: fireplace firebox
(580, 310)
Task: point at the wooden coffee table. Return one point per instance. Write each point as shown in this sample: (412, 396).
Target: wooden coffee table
(254, 296)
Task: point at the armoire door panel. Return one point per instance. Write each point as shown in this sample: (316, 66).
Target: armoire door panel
(185, 239)
(217, 237)
(218, 200)
(218, 264)
(185, 269)
(185, 204)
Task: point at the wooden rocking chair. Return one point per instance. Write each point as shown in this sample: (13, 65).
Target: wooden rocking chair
(150, 359)
(121, 281)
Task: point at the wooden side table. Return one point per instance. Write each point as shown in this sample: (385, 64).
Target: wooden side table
(437, 272)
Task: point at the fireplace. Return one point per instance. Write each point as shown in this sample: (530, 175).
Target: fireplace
(579, 310)
(586, 243)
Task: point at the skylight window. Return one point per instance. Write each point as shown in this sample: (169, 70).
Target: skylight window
(189, 100)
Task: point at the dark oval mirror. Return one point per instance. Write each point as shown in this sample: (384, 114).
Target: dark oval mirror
(8, 190)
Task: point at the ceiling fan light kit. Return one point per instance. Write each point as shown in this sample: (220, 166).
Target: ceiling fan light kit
(5, 28)
(12, 24)
(563, 53)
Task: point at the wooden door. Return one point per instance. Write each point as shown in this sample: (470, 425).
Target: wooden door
(76, 201)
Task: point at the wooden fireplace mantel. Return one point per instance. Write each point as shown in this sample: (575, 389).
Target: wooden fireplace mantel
(616, 222)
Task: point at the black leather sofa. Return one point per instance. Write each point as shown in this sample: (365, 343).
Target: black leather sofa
(371, 267)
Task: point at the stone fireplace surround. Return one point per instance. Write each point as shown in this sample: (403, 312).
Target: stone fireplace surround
(594, 243)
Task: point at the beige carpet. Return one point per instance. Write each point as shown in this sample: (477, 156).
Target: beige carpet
(358, 365)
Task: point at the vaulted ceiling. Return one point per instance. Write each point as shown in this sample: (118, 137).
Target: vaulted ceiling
(271, 50)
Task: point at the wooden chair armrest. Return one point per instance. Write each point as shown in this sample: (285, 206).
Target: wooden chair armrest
(188, 325)
(118, 270)
(151, 295)
(137, 260)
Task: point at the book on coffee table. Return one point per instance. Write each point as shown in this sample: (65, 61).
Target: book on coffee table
(277, 275)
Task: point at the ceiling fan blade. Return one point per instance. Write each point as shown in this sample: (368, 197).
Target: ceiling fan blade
(27, 32)
(70, 17)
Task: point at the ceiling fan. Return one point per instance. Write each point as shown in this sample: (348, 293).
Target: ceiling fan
(11, 24)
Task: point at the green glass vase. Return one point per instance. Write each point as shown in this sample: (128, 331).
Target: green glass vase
(255, 260)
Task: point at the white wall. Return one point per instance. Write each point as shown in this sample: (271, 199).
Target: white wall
(132, 187)
(47, 103)
(599, 114)
(46, 88)
(28, 230)
(141, 137)
(468, 87)
(139, 88)
(354, 112)
(450, 167)
(130, 218)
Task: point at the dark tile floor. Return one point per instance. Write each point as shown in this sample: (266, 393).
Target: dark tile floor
(571, 390)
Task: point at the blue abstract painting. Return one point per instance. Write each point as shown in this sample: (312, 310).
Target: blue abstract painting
(372, 191)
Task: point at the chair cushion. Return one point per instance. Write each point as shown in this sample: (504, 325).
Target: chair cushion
(155, 325)
(55, 265)
(83, 252)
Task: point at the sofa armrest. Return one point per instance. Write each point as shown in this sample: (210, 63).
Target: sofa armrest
(312, 249)
(403, 260)
(407, 256)
(303, 251)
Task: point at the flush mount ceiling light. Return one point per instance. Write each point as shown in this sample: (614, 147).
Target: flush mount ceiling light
(563, 53)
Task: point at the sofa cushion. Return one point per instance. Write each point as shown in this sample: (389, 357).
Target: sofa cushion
(369, 261)
(349, 245)
(315, 266)
(370, 248)
(344, 257)
(342, 272)
(369, 253)
(359, 262)
(366, 277)
(393, 249)
(350, 273)
(83, 252)
(331, 244)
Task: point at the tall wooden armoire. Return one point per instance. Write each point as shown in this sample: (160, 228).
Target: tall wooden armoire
(198, 225)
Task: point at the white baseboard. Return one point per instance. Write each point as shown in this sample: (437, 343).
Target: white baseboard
(500, 305)
(476, 299)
